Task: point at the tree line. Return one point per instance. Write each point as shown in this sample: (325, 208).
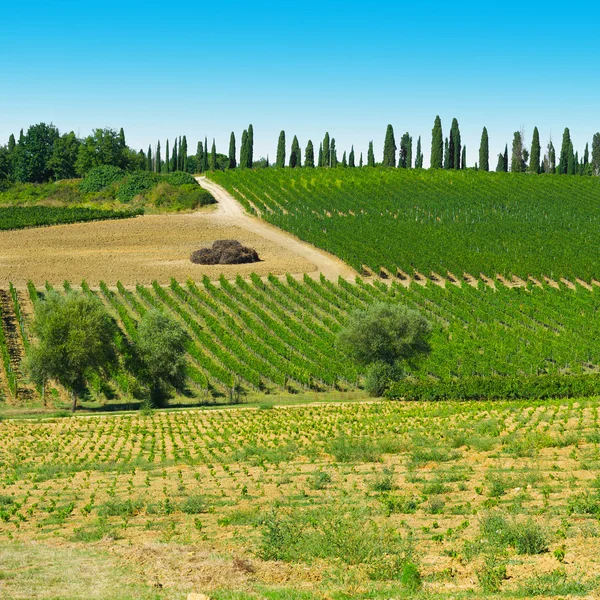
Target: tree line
(42, 154)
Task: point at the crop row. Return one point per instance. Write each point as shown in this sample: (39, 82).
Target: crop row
(439, 221)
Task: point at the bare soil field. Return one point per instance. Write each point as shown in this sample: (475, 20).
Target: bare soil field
(135, 250)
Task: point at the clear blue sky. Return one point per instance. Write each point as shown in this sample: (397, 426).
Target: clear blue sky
(205, 68)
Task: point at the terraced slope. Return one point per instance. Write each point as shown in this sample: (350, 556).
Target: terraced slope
(457, 221)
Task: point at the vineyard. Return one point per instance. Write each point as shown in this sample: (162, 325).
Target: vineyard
(378, 500)
(440, 221)
(270, 335)
(20, 217)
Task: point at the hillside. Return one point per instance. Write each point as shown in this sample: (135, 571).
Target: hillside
(441, 221)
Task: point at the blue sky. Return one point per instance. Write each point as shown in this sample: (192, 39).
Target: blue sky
(166, 69)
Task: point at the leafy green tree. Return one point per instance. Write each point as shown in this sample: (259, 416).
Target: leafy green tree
(102, 147)
(454, 147)
(550, 159)
(33, 154)
(11, 143)
(384, 337)
(250, 146)
(536, 149)
(309, 155)
(76, 340)
(484, 151)
(161, 344)
(596, 154)
(213, 156)
(168, 167)
(351, 160)
(517, 164)
(405, 159)
(563, 164)
(437, 144)
(370, 155)
(64, 156)
(295, 154)
(232, 161)
(389, 148)
(419, 157)
(333, 160)
(280, 159)
(326, 151)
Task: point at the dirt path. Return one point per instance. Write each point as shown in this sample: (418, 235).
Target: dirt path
(231, 212)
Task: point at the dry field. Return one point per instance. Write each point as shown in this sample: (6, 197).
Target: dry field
(373, 500)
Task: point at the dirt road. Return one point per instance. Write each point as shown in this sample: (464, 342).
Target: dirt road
(233, 214)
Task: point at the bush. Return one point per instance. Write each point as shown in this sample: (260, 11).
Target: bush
(99, 178)
(193, 505)
(137, 183)
(180, 197)
(380, 377)
(180, 178)
(526, 537)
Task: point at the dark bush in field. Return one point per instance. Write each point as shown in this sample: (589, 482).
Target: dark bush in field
(100, 178)
(224, 252)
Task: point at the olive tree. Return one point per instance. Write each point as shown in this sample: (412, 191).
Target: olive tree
(76, 339)
(384, 338)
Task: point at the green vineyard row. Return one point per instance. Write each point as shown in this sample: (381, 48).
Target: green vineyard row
(271, 335)
(456, 221)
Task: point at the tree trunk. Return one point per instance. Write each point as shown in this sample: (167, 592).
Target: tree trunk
(74, 406)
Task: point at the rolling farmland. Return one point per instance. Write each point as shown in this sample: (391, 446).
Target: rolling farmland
(416, 220)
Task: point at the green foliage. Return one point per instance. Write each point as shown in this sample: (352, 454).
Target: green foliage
(484, 151)
(389, 148)
(526, 536)
(380, 376)
(136, 184)
(437, 144)
(99, 178)
(194, 505)
(280, 161)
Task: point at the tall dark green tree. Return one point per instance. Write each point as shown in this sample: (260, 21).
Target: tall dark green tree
(517, 163)
(419, 157)
(244, 151)
(295, 154)
(183, 155)
(205, 165)
(370, 155)
(360, 162)
(351, 162)
(536, 149)
(437, 145)
(506, 158)
(213, 156)
(321, 157)
(586, 158)
(250, 163)
(326, 151)
(200, 157)
(33, 154)
(122, 143)
(232, 161)
(571, 161)
(563, 164)
(158, 165)
(463, 160)
(309, 155)
(179, 155)
(389, 148)
(149, 158)
(175, 157)
(484, 151)
(333, 160)
(550, 159)
(11, 143)
(344, 160)
(167, 157)
(404, 161)
(454, 146)
(64, 156)
(596, 154)
(500, 168)
(446, 154)
(280, 160)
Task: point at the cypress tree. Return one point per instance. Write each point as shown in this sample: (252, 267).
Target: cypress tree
(500, 166)
(205, 166)
(563, 165)
(11, 143)
(389, 148)
(536, 149)
(326, 151)
(586, 155)
(167, 161)
(484, 151)
(295, 156)
(199, 157)
(280, 161)
(213, 156)
(175, 158)
(178, 164)
(506, 158)
(250, 146)
(370, 155)
(571, 161)
(550, 159)
(351, 158)
(232, 161)
(244, 151)
(333, 154)
(122, 144)
(437, 145)
(463, 160)
(360, 164)
(596, 154)
(309, 155)
(158, 161)
(405, 159)
(321, 159)
(149, 159)
(419, 158)
(517, 163)
(344, 161)
(446, 155)
(454, 146)
(183, 155)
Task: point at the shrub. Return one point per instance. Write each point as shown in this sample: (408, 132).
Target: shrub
(99, 178)
(135, 184)
(526, 537)
(193, 505)
(318, 480)
(491, 574)
(346, 449)
(379, 378)
(179, 178)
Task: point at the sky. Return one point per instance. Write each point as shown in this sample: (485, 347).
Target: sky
(160, 69)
